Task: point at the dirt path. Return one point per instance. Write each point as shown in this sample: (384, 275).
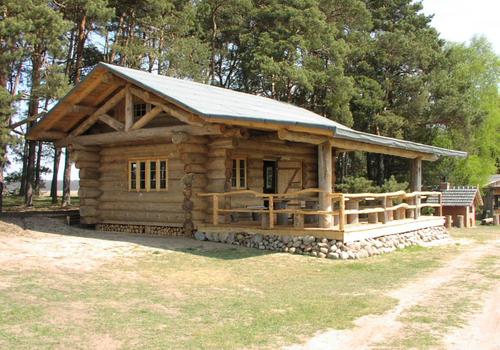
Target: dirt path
(376, 329)
(483, 330)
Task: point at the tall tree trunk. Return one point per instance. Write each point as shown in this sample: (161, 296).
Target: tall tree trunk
(38, 168)
(55, 172)
(66, 200)
(24, 178)
(80, 45)
(37, 61)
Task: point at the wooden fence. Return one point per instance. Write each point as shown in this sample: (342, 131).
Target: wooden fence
(347, 209)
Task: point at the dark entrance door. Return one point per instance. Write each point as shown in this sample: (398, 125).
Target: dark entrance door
(270, 181)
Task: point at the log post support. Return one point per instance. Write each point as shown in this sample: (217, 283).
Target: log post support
(129, 109)
(416, 174)
(417, 206)
(342, 217)
(271, 212)
(215, 209)
(440, 208)
(352, 204)
(325, 181)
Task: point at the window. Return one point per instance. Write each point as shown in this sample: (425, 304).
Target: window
(239, 174)
(140, 109)
(147, 175)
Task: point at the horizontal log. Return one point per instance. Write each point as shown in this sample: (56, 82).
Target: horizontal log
(287, 135)
(85, 156)
(88, 220)
(81, 164)
(88, 210)
(217, 152)
(159, 207)
(89, 173)
(194, 158)
(157, 134)
(195, 168)
(89, 202)
(216, 164)
(141, 197)
(88, 183)
(87, 192)
(193, 148)
(161, 148)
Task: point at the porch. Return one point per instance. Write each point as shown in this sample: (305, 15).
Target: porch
(351, 217)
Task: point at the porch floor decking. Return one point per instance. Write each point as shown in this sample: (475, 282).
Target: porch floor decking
(352, 232)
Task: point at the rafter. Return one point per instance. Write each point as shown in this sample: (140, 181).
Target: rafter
(81, 109)
(91, 120)
(112, 122)
(146, 118)
(174, 111)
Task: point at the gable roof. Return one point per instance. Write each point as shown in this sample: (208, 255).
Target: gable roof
(219, 104)
(461, 196)
(494, 181)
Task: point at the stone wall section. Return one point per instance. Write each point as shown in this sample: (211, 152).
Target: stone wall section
(329, 248)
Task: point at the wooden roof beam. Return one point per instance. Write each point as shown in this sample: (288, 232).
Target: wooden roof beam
(100, 111)
(161, 133)
(146, 118)
(112, 122)
(174, 111)
(293, 136)
(371, 148)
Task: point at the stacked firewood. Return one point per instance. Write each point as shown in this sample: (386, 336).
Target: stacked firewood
(141, 229)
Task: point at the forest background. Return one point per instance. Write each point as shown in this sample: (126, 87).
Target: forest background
(374, 65)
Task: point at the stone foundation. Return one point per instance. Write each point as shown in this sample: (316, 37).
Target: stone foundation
(328, 248)
(167, 231)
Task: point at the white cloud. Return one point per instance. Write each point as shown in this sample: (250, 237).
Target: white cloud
(460, 20)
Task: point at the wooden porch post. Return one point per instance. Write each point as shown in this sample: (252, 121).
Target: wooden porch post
(325, 171)
(416, 174)
(129, 109)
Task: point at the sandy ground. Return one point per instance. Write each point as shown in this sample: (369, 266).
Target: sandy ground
(38, 242)
(27, 243)
(482, 332)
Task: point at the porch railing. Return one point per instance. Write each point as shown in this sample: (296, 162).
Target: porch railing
(347, 209)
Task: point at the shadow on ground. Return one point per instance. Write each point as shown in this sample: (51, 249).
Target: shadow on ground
(56, 226)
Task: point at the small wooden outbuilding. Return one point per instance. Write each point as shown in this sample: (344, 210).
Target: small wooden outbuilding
(163, 152)
(492, 197)
(461, 201)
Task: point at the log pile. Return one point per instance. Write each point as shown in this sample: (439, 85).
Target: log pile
(164, 231)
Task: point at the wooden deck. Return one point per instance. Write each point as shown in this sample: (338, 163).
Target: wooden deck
(351, 217)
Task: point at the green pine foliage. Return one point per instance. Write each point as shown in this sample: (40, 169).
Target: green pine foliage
(375, 65)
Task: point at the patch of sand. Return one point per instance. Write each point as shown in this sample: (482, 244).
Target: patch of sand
(45, 243)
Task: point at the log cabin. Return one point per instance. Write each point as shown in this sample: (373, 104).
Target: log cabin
(154, 151)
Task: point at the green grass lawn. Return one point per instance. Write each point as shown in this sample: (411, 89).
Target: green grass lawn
(210, 297)
(16, 203)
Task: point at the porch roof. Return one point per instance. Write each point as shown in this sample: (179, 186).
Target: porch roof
(221, 105)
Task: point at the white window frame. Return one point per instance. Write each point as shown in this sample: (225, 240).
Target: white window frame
(147, 175)
(239, 171)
